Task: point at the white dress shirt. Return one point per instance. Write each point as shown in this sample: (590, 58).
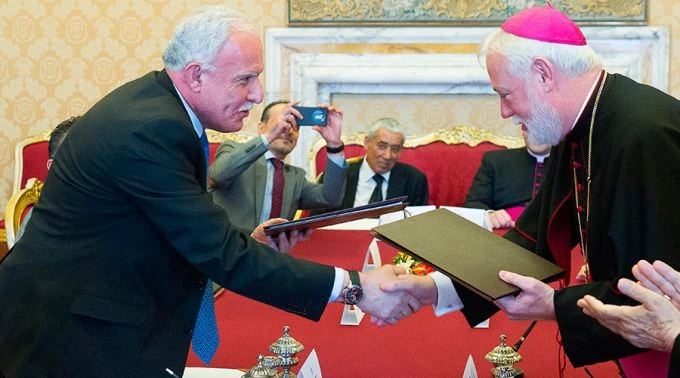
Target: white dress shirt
(366, 184)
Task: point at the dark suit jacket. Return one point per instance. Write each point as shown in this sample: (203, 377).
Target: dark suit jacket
(108, 278)
(674, 368)
(405, 180)
(506, 178)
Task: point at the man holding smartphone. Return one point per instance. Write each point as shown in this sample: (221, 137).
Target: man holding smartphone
(253, 184)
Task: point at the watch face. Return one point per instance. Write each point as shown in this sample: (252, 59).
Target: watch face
(353, 294)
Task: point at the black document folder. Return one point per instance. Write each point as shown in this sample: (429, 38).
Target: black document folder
(469, 254)
(340, 216)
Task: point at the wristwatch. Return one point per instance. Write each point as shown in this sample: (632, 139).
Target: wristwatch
(353, 292)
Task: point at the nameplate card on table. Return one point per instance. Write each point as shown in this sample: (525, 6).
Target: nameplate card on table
(477, 216)
(469, 254)
(340, 216)
(408, 212)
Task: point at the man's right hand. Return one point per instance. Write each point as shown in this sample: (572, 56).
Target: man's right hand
(286, 119)
(385, 308)
(421, 287)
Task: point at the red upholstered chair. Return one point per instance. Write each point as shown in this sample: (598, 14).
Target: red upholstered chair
(354, 146)
(18, 206)
(30, 161)
(448, 157)
(31, 156)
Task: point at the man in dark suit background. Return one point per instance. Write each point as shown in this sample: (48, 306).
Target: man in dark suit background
(110, 274)
(244, 174)
(380, 175)
(507, 180)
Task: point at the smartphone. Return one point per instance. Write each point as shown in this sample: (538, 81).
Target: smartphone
(312, 116)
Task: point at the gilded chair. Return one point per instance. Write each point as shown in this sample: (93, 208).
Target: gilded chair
(448, 157)
(30, 158)
(18, 206)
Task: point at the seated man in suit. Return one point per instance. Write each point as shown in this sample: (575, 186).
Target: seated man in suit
(244, 175)
(507, 180)
(56, 137)
(379, 175)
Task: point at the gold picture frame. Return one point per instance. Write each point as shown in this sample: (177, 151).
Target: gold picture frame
(455, 12)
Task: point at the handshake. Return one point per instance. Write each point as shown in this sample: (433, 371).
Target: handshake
(391, 294)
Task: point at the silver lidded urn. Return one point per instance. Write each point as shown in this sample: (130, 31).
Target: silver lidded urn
(286, 348)
(260, 370)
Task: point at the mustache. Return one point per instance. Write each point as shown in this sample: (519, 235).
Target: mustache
(246, 107)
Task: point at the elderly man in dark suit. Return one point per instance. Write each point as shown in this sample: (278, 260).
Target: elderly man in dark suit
(111, 273)
(380, 175)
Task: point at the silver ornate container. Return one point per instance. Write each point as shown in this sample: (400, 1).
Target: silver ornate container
(286, 348)
(503, 357)
(260, 370)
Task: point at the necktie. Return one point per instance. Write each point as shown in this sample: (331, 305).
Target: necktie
(277, 188)
(206, 148)
(377, 196)
(205, 338)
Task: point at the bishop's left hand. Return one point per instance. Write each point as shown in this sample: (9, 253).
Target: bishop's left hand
(534, 302)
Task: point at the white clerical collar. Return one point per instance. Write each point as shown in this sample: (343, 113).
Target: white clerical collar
(539, 158)
(198, 126)
(585, 102)
(366, 173)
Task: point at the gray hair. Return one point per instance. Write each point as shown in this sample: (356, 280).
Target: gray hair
(200, 36)
(389, 124)
(570, 60)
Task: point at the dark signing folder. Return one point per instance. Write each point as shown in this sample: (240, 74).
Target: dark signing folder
(375, 209)
(470, 255)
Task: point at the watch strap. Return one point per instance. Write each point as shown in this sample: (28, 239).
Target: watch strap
(335, 150)
(354, 278)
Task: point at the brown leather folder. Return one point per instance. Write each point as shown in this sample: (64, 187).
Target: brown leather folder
(375, 209)
(470, 255)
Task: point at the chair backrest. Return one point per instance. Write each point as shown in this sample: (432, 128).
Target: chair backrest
(17, 207)
(216, 138)
(30, 159)
(448, 157)
(31, 154)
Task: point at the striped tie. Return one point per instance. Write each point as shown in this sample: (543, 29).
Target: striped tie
(277, 188)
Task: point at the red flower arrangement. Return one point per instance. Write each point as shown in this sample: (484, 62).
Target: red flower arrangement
(411, 265)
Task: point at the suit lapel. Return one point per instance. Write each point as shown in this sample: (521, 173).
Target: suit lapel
(259, 181)
(396, 186)
(162, 79)
(351, 187)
